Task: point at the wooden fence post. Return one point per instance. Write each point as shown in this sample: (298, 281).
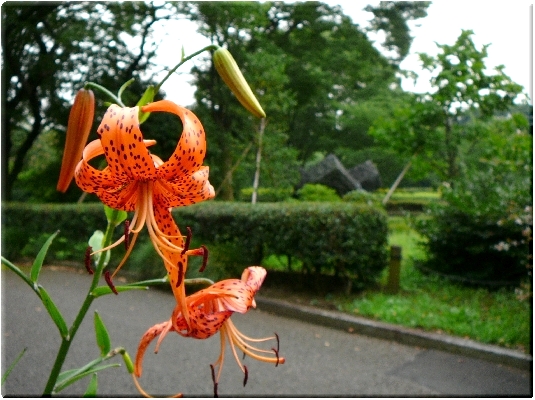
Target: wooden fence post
(392, 287)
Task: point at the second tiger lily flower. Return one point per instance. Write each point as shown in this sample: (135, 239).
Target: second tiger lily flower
(210, 310)
(136, 180)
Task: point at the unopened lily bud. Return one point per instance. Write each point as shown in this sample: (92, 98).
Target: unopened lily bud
(78, 128)
(230, 73)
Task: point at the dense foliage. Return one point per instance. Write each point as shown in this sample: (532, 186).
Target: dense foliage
(482, 233)
(334, 239)
(434, 127)
(49, 50)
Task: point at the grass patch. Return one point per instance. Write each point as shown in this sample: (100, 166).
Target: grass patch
(432, 303)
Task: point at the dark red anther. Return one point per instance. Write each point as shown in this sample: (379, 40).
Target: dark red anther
(277, 355)
(180, 266)
(87, 260)
(188, 240)
(243, 358)
(213, 380)
(246, 372)
(204, 258)
(277, 336)
(126, 234)
(109, 282)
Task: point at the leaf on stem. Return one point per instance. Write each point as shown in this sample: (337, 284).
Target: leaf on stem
(21, 274)
(6, 374)
(143, 285)
(115, 217)
(54, 312)
(92, 387)
(38, 263)
(102, 335)
(62, 385)
(147, 98)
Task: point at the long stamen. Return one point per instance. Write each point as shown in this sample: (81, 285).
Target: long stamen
(126, 234)
(188, 240)
(109, 282)
(180, 266)
(88, 259)
(204, 258)
(213, 380)
(276, 354)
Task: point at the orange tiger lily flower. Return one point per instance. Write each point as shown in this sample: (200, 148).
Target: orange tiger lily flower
(136, 180)
(210, 310)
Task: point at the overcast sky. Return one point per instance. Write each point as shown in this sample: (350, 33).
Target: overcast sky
(506, 26)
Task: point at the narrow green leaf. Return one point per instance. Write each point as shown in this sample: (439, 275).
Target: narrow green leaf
(54, 312)
(115, 217)
(92, 387)
(104, 290)
(147, 98)
(38, 263)
(143, 285)
(18, 271)
(103, 337)
(65, 375)
(6, 374)
(77, 377)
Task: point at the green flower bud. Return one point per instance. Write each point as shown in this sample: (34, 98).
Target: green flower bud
(230, 73)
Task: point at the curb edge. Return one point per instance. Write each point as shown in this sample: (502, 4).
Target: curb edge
(408, 336)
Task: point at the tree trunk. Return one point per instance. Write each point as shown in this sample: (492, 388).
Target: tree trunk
(258, 159)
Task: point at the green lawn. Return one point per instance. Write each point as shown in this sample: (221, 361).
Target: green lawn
(434, 304)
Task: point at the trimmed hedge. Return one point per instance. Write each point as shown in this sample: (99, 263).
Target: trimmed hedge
(329, 238)
(342, 239)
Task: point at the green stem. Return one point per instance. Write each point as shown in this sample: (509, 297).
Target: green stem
(66, 343)
(199, 281)
(171, 72)
(89, 85)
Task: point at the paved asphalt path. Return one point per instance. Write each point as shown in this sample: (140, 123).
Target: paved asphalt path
(320, 361)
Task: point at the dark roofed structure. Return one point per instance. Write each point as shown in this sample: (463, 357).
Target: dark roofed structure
(367, 174)
(330, 172)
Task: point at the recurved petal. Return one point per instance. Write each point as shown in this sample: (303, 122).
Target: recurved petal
(109, 188)
(202, 324)
(191, 148)
(254, 277)
(231, 294)
(185, 190)
(145, 341)
(126, 153)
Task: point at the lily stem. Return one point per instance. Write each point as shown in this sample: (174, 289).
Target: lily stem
(66, 342)
(182, 61)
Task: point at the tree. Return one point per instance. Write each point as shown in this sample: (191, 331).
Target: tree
(320, 62)
(391, 17)
(435, 126)
(49, 50)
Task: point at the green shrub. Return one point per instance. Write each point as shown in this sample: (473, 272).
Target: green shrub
(483, 231)
(342, 239)
(267, 195)
(475, 249)
(329, 238)
(362, 196)
(317, 192)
